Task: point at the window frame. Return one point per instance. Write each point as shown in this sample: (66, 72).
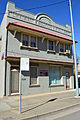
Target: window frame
(48, 50)
(29, 42)
(35, 41)
(25, 40)
(62, 52)
(56, 80)
(37, 84)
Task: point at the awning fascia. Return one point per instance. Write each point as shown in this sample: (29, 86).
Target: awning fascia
(38, 30)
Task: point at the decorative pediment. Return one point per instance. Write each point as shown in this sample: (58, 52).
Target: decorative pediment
(44, 18)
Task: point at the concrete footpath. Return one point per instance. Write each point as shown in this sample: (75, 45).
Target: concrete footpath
(36, 105)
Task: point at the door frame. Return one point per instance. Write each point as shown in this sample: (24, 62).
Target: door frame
(17, 69)
(67, 86)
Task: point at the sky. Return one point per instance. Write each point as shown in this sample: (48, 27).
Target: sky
(58, 10)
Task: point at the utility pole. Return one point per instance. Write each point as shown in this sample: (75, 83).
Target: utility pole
(76, 70)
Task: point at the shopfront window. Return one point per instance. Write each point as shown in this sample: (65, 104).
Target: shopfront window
(54, 75)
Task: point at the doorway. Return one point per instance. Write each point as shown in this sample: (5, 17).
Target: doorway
(67, 80)
(14, 80)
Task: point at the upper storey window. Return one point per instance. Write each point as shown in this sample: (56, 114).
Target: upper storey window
(50, 45)
(67, 49)
(61, 47)
(28, 41)
(33, 41)
(25, 40)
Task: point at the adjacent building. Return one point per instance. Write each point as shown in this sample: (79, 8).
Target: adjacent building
(48, 46)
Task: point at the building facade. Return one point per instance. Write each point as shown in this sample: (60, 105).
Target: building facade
(48, 46)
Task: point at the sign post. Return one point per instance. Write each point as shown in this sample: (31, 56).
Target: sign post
(75, 60)
(24, 66)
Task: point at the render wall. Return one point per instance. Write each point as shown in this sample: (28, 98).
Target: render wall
(14, 49)
(43, 81)
(2, 76)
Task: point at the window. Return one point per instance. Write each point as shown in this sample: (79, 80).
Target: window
(33, 75)
(61, 47)
(50, 45)
(67, 47)
(29, 42)
(54, 75)
(33, 41)
(25, 40)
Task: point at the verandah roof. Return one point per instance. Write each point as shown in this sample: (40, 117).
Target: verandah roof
(37, 29)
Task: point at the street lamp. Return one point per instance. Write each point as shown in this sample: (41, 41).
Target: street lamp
(76, 70)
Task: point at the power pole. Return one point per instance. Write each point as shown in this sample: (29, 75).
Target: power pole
(76, 70)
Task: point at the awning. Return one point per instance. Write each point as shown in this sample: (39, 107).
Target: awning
(38, 29)
(39, 60)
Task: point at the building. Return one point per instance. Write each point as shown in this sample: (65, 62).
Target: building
(48, 46)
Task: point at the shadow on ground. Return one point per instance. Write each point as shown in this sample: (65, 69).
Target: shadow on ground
(51, 100)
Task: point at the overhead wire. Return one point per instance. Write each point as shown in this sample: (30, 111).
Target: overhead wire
(39, 7)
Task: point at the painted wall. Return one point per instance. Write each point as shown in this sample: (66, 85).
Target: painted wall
(41, 53)
(13, 49)
(2, 77)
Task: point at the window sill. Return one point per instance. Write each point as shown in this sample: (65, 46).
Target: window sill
(62, 53)
(56, 85)
(29, 47)
(51, 51)
(34, 86)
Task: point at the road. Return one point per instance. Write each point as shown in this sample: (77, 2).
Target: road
(72, 113)
(72, 116)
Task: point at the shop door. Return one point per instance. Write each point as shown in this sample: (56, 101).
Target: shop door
(14, 81)
(67, 80)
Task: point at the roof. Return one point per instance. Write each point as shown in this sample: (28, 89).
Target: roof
(41, 30)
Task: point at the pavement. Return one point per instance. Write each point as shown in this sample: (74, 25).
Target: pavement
(37, 105)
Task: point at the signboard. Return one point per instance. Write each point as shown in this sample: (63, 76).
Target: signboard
(43, 72)
(24, 64)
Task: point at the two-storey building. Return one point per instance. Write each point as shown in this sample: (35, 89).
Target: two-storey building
(48, 46)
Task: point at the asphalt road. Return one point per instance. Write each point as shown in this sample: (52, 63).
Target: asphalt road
(72, 113)
(72, 116)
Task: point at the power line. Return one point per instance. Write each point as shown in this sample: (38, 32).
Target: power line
(39, 7)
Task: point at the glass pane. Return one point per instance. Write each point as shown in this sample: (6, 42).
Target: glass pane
(54, 75)
(33, 41)
(33, 75)
(61, 48)
(66, 47)
(15, 81)
(50, 45)
(25, 40)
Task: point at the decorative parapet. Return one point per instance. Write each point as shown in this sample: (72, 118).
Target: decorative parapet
(50, 26)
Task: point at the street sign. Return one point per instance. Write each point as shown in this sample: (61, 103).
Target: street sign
(24, 65)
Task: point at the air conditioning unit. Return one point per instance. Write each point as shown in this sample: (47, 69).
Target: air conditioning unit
(67, 51)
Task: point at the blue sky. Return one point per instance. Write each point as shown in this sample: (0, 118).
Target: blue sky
(59, 12)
